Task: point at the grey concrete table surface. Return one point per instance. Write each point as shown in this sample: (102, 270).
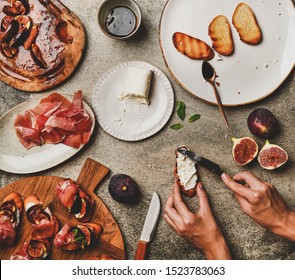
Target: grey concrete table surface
(151, 162)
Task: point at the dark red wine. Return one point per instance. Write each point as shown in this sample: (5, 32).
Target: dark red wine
(121, 21)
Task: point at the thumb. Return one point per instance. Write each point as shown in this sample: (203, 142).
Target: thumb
(203, 198)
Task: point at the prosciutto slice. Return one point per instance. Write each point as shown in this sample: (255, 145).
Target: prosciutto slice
(54, 120)
(7, 231)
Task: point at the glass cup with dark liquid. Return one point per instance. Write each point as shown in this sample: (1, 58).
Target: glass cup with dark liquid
(119, 19)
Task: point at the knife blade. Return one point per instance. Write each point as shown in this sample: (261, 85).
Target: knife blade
(149, 227)
(208, 164)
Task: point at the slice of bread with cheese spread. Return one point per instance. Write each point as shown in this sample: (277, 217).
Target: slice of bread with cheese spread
(137, 85)
(185, 173)
(220, 34)
(246, 25)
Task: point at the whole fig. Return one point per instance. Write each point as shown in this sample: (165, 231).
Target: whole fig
(123, 188)
(262, 123)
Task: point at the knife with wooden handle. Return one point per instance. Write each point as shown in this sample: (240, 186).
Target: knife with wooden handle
(149, 227)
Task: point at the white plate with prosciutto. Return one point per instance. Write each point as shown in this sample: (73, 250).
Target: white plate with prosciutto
(43, 132)
(251, 72)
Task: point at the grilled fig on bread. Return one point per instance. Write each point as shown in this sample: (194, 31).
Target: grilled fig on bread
(10, 211)
(75, 200)
(185, 173)
(192, 47)
(246, 25)
(77, 237)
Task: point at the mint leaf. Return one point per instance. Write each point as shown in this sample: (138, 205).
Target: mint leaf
(176, 126)
(180, 108)
(194, 118)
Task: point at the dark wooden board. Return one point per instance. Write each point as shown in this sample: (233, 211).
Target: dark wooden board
(22, 73)
(111, 241)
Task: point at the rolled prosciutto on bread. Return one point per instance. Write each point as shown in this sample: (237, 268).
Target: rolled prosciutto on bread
(33, 250)
(185, 172)
(77, 237)
(44, 223)
(75, 200)
(10, 213)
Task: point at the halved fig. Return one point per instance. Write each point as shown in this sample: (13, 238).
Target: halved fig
(61, 30)
(39, 249)
(77, 205)
(87, 234)
(8, 51)
(26, 5)
(38, 212)
(10, 32)
(84, 210)
(272, 156)
(5, 22)
(244, 150)
(25, 23)
(17, 8)
(37, 56)
(32, 37)
(10, 215)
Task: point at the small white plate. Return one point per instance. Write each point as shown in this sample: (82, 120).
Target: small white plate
(251, 72)
(128, 120)
(15, 158)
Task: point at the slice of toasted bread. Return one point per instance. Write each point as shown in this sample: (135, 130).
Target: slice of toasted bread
(185, 173)
(192, 47)
(246, 25)
(220, 34)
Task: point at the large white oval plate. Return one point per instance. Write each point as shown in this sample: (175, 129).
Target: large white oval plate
(252, 72)
(129, 120)
(15, 158)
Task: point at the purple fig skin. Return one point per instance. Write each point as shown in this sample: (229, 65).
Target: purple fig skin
(262, 123)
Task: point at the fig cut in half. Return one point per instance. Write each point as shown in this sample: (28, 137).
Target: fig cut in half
(244, 150)
(272, 156)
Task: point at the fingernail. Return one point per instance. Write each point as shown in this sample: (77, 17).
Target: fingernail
(224, 176)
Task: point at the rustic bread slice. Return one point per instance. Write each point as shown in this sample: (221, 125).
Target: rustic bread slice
(192, 47)
(185, 172)
(246, 25)
(220, 34)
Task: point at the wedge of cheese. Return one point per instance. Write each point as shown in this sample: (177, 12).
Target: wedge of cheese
(137, 85)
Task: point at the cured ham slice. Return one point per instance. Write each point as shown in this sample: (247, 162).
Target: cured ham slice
(44, 223)
(75, 200)
(10, 212)
(77, 237)
(54, 120)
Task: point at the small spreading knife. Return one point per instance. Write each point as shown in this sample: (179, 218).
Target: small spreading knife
(149, 227)
(210, 165)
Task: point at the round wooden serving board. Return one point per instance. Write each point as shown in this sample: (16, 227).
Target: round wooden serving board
(110, 242)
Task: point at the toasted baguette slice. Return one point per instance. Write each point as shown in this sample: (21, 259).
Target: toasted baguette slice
(185, 173)
(246, 25)
(220, 34)
(192, 47)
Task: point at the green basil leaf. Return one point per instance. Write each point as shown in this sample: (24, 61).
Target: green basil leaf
(181, 109)
(194, 118)
(176, 126)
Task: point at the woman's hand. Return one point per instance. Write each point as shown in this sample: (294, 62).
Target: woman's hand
(200, 229)
(262, 202)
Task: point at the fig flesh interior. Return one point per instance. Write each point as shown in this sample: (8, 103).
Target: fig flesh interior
(244, 150)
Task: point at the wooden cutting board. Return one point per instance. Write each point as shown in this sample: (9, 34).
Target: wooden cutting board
(111, 241)
(61, 56)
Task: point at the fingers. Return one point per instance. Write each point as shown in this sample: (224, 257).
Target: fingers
(203, 199)
(244, 203)
(171, 223)
(249, 178)
(237, 188)
(179, 204)
(171, 211)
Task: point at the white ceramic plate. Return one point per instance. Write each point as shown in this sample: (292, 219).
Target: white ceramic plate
(252, 72)
(128, 120)
(15, 158)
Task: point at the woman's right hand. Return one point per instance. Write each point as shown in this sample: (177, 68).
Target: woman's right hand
(263, 203)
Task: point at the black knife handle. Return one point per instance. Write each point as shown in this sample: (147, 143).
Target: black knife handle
(211, 166)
